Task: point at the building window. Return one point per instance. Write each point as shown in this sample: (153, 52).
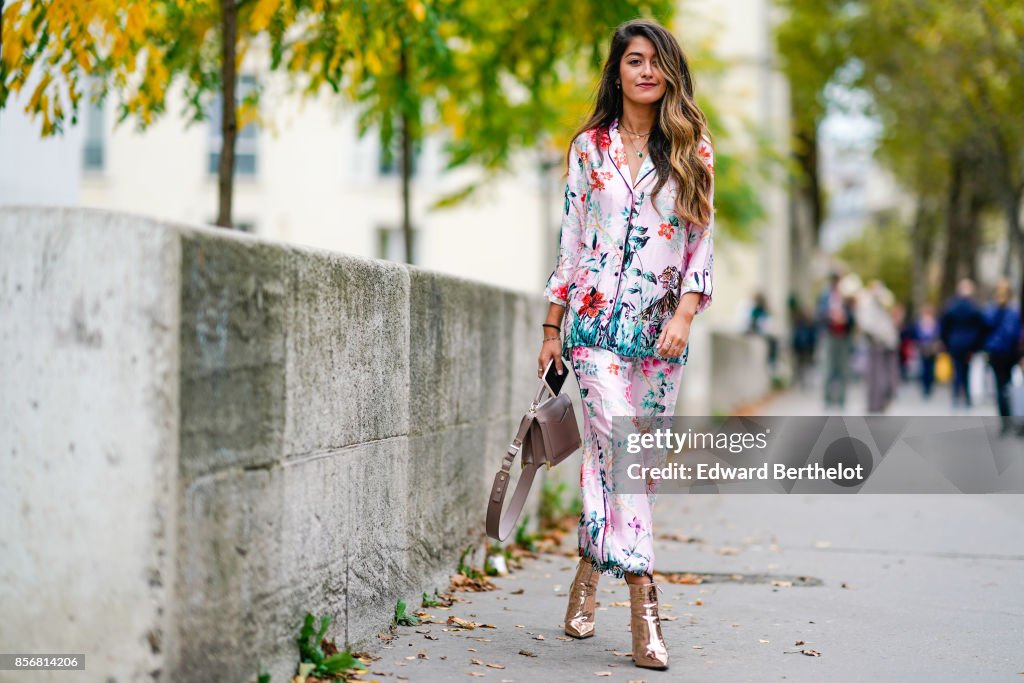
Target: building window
(389, 160)
(247, 139)
(93, 153)
(391, 244)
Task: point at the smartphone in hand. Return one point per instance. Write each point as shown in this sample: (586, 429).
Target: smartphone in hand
(553, 379)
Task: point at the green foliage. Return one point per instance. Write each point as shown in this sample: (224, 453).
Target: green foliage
(556, 503)
(312, 659)
(882, 252)
(464, 568)
(523, 538)
(403, 618)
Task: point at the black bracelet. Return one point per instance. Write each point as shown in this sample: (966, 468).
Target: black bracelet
(550, 325)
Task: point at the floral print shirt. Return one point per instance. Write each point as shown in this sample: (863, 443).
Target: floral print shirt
(624, 258)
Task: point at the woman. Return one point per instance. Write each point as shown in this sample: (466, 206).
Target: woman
(926, 337)
(634, 266)
(1002, 344)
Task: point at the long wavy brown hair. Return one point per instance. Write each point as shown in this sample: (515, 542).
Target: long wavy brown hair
(679, 123)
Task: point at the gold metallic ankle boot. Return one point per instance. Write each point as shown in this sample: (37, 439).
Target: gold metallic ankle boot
(649, 649)
(579, 616)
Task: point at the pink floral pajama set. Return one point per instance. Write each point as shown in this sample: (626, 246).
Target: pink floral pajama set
(624, 261)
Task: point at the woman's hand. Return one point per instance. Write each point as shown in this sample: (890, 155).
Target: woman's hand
(674, 336)
(548, 350)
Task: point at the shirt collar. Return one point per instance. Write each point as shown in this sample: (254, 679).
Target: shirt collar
(617, 150)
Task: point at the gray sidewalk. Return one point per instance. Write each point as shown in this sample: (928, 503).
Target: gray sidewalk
(898, 588)
(886, 587)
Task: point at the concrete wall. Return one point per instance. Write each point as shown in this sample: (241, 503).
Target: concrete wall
(739, 364)
(204, 435)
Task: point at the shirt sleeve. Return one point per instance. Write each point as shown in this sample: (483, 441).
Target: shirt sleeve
(698, 269)
(572, 230)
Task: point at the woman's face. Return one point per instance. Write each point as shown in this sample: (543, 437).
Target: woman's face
(640, 74)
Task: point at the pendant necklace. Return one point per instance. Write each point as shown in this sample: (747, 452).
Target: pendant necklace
(639, 153)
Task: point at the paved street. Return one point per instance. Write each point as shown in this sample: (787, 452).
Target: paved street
(885, 587)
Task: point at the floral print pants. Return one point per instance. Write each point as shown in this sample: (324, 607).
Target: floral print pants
(615, 529)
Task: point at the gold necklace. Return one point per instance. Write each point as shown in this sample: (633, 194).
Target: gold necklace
(639, 153)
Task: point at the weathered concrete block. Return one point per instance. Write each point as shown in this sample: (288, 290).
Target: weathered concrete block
(259, 549)
(234, 316)
(89, 306)
(348, 351)
(462, 334)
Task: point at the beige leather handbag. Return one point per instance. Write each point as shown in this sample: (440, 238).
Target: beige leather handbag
(548, 434)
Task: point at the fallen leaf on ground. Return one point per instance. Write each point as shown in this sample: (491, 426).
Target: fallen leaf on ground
(527, 653)
(811, 653)
(461, 623)
(684, 578)
(728, 550)
(495, 666)
(461, 582)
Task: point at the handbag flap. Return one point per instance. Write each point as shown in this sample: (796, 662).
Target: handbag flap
(560, 434)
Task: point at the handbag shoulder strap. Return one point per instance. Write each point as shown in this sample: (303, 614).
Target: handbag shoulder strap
(498, 525)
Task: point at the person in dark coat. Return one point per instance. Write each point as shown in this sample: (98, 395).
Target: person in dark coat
(1002, 344)
(963, 329)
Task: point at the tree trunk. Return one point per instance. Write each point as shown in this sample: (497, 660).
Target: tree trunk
(403, 77)
(951, 257)
(807, 156)
(971, 233)
(1009, 199)
(919, 247)
(229, 112)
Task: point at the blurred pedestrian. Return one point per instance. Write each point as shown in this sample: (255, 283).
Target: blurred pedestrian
(876, 323)
(1002, 345)
(761, 323)
(928, 343)
(905, 325)
(835, 316)
(805, 342)
(962, 329)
